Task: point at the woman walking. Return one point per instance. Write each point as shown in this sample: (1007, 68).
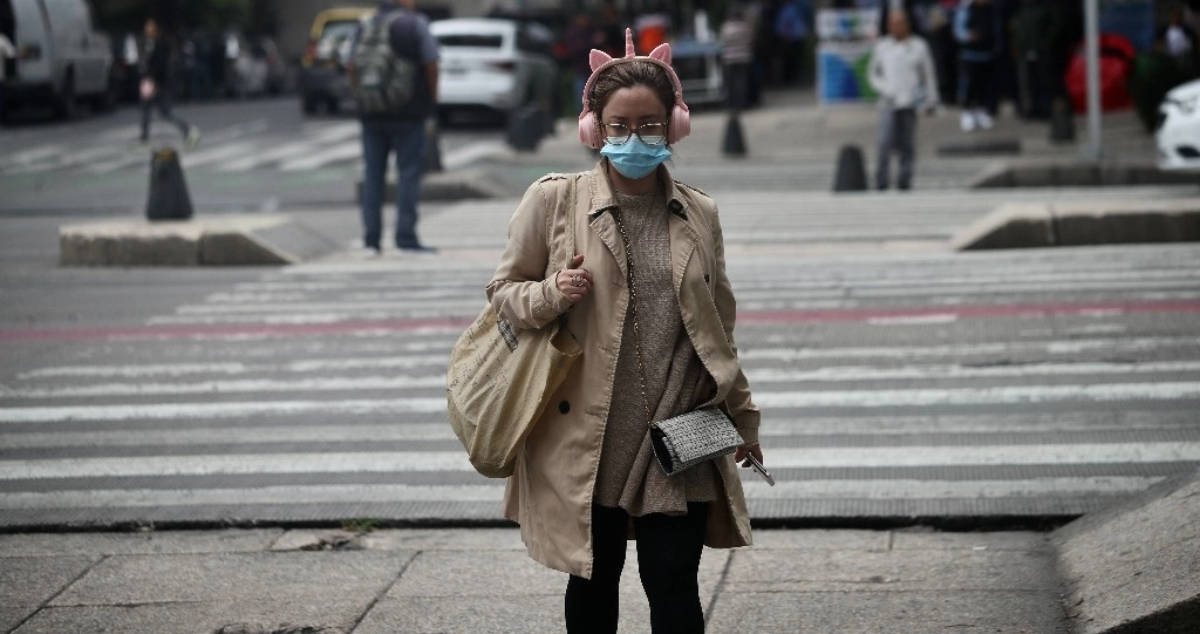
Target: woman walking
(632, 262)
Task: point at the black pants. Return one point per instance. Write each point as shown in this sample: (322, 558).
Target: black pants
(163, 102)
(977, 89)
(897, 131)
(668, 549)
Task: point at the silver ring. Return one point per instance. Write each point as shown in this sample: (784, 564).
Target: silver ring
(577, 280)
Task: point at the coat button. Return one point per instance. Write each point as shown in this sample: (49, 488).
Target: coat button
(564, 407)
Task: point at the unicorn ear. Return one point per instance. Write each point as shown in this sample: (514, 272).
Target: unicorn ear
(596, 59)
(662, 53)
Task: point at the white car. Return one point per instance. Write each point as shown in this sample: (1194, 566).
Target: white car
(495, 64)
(1179, 129)
(60, 57)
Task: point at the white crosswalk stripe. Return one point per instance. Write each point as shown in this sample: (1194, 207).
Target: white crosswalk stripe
(323, 386)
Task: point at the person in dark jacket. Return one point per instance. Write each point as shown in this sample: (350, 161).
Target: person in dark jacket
(401, 131)
(978, 28)
(154, 68)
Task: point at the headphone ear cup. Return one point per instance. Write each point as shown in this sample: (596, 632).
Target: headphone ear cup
(681, 122)
(589, 131)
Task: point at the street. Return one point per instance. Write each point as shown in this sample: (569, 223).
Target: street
(253, 155)
(265, 449)
(897, 380)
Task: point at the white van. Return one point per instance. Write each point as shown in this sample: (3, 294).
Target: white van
(61, 58)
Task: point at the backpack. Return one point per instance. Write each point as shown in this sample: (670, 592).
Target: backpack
(385, 80)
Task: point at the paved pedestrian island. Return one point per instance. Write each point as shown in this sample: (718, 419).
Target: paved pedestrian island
(480, 580)
(1131, 568)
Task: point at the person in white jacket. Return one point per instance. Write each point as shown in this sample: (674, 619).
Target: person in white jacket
(902, 72)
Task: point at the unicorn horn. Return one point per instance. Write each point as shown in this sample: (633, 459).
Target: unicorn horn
(629, 52)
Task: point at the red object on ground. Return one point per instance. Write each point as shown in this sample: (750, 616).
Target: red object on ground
(1116, 65)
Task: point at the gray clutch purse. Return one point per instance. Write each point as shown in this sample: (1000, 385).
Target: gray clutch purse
(686, 440)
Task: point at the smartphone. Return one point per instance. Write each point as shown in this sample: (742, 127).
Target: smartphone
(758, 466)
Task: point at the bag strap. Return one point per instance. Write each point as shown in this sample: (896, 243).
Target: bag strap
(633, 300)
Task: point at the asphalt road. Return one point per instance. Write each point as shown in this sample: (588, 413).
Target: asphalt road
(253, 155)
(897, 380)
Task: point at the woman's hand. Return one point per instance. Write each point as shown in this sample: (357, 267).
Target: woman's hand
(574, 281)
(740, 454)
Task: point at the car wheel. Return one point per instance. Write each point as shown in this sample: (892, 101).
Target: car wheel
(65, 106)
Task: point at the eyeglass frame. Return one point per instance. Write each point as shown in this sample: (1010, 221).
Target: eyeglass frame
(634, 130)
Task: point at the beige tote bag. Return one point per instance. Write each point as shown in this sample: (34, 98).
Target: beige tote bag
(500, 380)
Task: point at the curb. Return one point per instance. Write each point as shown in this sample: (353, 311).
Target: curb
(1080, 173)
(1028, 225)
(225, 240)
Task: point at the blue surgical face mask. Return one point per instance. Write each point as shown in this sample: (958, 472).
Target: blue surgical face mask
(635, 159)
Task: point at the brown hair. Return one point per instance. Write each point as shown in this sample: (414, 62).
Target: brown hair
(626, 75)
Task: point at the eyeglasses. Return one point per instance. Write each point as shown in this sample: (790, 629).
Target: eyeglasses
(650, 132)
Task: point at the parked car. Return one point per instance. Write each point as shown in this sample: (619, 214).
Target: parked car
(1178, 133)
(698, 65)
(61, 58)
(494, 64)
(323, 79)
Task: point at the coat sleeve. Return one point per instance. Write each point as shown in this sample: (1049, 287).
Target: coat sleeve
(519, 290)
(741, 407)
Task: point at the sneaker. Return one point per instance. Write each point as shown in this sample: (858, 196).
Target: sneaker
(967, 121)
(984, 119)
(369, 253)
(193, 137)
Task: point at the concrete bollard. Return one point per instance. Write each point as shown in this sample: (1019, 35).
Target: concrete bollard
(734, 143)
(851, 173)
(168, 199)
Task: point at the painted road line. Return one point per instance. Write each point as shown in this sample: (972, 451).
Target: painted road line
(955, 371)
(924, 397)
(208, 435)
(199, 411)
(327, 383)
(252, 386)
(334, 153)
(992, 395)
(784, 458)
(780, 351)
(461, 157)
(435, 427)
(390, 493)
(232, 368)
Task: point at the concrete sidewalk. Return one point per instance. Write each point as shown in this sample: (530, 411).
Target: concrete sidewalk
(480, 580)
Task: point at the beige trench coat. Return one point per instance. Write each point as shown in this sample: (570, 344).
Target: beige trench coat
(550, 491)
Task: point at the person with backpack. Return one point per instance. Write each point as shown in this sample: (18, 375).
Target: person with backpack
(394, 77)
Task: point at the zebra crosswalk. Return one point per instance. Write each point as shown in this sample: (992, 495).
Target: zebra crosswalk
(1052, 384)
(240, 146)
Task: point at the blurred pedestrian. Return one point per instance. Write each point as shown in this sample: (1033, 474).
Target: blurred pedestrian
(154, 88)
(397, 38)
(580, 37)
(603, 252)
(977, 26)
(793, 26)
(1035, 27)
(737, 52)
(7, 52)
(1180, 43)
(902, 72)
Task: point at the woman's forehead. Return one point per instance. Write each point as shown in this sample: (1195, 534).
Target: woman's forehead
(637, 100)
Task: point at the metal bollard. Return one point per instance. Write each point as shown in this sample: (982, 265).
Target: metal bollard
(168, 199)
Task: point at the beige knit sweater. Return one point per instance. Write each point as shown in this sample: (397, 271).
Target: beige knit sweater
(676, 381)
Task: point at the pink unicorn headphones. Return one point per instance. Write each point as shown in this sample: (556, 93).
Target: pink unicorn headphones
(680, 124)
